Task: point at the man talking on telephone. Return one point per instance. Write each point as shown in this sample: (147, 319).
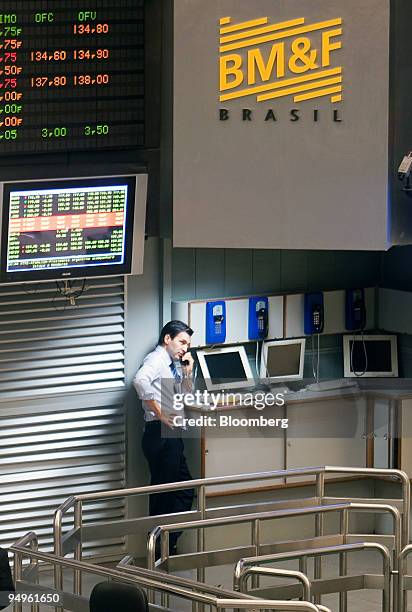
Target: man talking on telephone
(170, 362)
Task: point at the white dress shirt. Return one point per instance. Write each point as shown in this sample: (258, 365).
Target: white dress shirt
(155, 381)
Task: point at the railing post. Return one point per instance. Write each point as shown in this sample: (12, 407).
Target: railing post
(319, 522)
(402, 595)
(17, 571)
(58, 551)
(164, 555)
(396, 564)
(238, 576)
(201, 506)
(256, 544)
(34, 545)
(58, 543)
(303, 566)
(406, 489)
(78, 511)
(386, 591)
(343, 559)
(151, 559)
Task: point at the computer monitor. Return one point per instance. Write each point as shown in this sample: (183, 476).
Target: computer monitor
(370, 356)
(283, 360)
(225, 368)
(72, 228)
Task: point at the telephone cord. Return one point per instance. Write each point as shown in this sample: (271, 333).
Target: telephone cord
(359, 374)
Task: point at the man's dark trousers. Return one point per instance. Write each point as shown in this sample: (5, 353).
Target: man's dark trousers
(167, 463)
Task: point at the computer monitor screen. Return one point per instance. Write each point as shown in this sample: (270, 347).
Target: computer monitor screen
(69, 228)
(283, 359)
(225, 368)
(370, 356)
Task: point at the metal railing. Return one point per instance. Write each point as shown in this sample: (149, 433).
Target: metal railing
(127, 565)
(273, 572)
(219, 601)
(252, 566)
(405, 580)
(71, 542)
(222, 556)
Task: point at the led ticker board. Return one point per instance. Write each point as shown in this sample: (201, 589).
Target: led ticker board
(68, 228)
(71, 75)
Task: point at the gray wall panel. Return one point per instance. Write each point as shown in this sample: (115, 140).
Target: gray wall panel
(294, 271)
(183, 272)
(277, 272)
(397, 268)
(143, 321)
(208, 273)
(304, 185)
(238, 270)
(266, 271)
(321, 270)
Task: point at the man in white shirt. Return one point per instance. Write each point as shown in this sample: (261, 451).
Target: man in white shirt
(167, 368)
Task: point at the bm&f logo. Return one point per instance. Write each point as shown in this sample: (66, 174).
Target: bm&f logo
(262, 62)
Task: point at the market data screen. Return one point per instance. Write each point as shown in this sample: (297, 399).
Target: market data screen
(71, 75)
(66, 228)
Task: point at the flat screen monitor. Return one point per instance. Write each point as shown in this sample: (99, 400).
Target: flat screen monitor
(72, 228)
(226, 368)
(370, 356)
(283, 359)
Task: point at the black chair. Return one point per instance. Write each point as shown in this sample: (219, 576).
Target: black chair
(117, 597)
(6, 581)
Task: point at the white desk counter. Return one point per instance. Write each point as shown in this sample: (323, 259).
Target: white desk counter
(359, 426)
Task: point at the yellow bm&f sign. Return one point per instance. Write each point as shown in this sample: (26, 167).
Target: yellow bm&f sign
(280, 60)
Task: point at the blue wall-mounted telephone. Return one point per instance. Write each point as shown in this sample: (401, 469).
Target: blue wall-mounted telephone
(215, 322)
(314, 313)
(258, 318)
(355, 310)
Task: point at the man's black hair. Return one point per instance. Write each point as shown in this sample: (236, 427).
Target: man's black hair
(172, 329)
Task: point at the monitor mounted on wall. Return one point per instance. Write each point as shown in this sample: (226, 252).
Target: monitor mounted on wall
(225, 368)
(283, 360)
(370, 356)
(72, 228)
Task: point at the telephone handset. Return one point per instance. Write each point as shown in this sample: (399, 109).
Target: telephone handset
(262, 317)
(258, 318)
(217, 313)
(314, 313)
(317, 318)
(355, 315)
(359, 314)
